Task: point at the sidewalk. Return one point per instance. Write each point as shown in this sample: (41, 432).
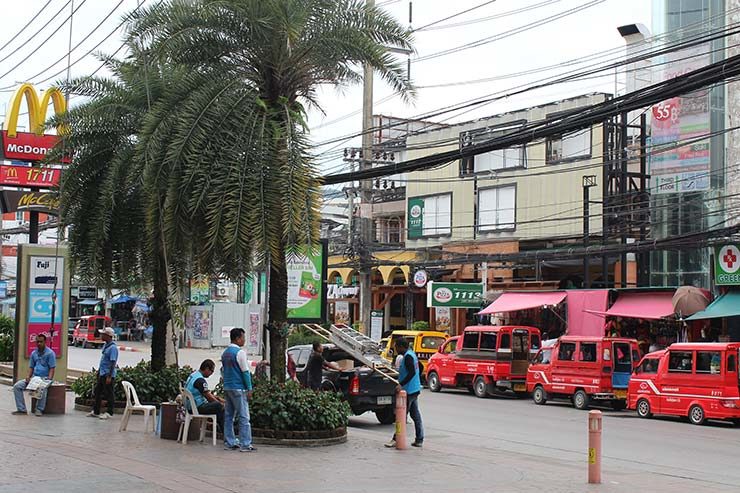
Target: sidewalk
(72, 453)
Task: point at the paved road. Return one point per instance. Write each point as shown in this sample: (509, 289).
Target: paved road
(466, 425)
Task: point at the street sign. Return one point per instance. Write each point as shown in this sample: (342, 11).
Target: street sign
(727, 265)
(87, 292)
(420, 278)
(454, 294)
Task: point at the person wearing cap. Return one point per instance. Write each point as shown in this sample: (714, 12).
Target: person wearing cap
(106, 375)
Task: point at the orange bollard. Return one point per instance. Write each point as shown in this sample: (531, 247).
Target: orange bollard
(401, 443)
(594, 447)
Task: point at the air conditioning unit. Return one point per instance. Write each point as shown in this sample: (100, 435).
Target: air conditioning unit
(222, 291)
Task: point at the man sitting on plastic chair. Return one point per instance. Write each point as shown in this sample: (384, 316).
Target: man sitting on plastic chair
(42, 364)
(205, 400)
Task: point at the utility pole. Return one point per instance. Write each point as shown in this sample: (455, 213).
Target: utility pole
(365, 219)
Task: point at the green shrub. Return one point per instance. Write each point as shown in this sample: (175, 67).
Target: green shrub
(420, 325)
(288, 406)
(162, 386)
(300, 336)
(7, 328)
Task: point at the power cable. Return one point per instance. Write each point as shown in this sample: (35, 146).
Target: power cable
(484, 19)
(489, 2)
(36, 15)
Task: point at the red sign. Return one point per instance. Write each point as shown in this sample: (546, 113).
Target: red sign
(53, 340)
(28, 146)
(26, 176)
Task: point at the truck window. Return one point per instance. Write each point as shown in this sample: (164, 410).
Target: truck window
(708, 362)
(432, 342)
(543, 357)
(488, 341)
(731, 362)
(302, 358)
(535, 341)
(567, 351)
(521, 341)
(680, 362)
(470, 340)
(449, 347)
(622, 357)
(505, 341)
(588, 352)
(650, 365)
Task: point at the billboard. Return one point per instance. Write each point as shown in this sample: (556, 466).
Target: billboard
(26, 176)
(33, 145)
(12, 201)
(307, 283)
(454, 294)
(727, 265)
(685, 118)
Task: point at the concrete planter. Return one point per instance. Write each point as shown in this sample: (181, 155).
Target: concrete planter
(287, 438)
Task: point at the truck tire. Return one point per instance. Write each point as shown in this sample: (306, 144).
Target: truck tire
(480, 388)
(580, 400)
(386, 416)
(643, 408)
(696, 415)
(434, 383)
(539, 396)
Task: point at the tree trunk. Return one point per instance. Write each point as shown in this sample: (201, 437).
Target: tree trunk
(278, 310)
(160, 315)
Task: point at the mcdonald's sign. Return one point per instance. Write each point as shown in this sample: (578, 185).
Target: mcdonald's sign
(27, 176)
(33, 145)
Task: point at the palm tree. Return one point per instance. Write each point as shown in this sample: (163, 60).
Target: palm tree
(103, 196)
(241, 187)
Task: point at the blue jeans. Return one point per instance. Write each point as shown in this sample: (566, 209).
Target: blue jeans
(236, 405)
(20, 403)
(412, 408)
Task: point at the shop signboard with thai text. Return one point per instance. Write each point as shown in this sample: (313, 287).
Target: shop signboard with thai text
(307, 283)
(454, 294)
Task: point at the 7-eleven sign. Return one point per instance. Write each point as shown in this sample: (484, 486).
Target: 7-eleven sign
(727, 265)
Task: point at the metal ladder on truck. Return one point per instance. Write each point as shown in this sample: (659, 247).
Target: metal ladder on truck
(360, 346)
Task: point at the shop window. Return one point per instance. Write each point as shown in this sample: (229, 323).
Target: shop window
(470, 340)
(488, 341)
(505, 341)
(708, 362)
(497, 208)
(497, 160)
(588, 352)
(437, 215)
(567, 351)
(731, 362)
(680, 362)
(650, 365)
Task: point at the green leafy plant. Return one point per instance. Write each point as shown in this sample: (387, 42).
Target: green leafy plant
(7, 327)
(420, 325)
(288, 406)
(151, 387)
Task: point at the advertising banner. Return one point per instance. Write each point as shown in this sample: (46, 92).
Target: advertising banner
(253, 333)
(307, 284)
(686, 168)
(341, 312)
(376, 325)
(442, 318)
(200, 290)
(415, 217)
(727, 265)
(12, 201)
(454, 294)
(26, 176)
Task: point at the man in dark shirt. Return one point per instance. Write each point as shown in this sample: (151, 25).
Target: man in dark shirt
(315, 367)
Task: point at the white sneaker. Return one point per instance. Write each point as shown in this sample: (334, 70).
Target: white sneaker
(391, 444)
(105, 416)
(92, 414)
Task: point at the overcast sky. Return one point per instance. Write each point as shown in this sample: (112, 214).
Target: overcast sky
(557, 40)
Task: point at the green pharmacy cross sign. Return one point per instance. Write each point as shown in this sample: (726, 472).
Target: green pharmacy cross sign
(727, 265)
(454, 294)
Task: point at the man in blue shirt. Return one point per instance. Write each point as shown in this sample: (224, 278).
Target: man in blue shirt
(408, 379)
(237, 387)
(206, 402)
(106, 375)
(42, 364)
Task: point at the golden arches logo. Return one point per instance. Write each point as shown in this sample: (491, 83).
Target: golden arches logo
(36, 108)
(11, 173)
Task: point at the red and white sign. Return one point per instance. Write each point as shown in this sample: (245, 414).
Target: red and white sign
(420, 278)
(28, 146)
(26, 176)
(729, 258)
(53, 340)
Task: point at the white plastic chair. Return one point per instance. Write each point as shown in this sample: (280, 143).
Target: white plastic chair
(193, 414)
(133, 405)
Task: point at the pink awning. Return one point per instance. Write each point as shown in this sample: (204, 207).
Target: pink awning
(649, 306)
(512, 302)
(586, 311)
